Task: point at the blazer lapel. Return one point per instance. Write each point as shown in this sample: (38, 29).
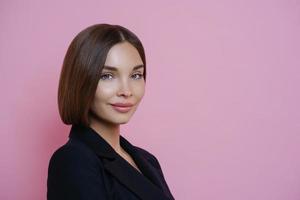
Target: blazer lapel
(146, 186)
(148, 170)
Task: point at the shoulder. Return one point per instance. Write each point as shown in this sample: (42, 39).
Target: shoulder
(73, 161)
(72, 153)
(74, 172)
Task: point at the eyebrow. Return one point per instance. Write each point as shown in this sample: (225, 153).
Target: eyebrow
(115, 69)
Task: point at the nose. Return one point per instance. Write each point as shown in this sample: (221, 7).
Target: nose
(124, 89)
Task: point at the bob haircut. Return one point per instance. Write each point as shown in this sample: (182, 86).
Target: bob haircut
(82, 67)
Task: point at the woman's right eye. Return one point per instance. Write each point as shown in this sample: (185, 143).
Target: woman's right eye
(105, 76)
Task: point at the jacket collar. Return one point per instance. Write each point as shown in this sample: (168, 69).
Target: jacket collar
(147, 186)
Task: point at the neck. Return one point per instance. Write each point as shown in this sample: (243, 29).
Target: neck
(109, 132)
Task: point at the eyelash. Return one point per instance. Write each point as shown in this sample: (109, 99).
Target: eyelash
(107, 74)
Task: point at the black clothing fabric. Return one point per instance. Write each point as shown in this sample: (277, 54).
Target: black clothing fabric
(88, 168)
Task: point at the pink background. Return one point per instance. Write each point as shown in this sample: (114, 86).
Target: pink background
(221, 110)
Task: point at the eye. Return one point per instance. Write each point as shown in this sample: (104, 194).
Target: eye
(138, 76)
(105, 76)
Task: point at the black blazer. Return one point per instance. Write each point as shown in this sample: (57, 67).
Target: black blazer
(88, 168)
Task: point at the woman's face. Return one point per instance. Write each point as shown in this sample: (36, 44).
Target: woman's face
(121, 82)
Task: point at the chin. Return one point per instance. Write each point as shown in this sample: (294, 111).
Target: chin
(123, 121)
(119, 119)
(119, 122)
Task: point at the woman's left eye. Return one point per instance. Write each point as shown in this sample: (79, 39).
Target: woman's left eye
(138, 76)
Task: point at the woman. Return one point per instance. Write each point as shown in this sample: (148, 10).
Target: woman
(101, 84)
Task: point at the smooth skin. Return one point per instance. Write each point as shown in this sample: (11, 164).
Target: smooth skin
(122, 85)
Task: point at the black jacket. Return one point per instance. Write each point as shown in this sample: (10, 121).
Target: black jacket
(88, 168)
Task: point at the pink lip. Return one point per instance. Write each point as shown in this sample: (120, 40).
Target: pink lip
(123, 108)
(122, 104)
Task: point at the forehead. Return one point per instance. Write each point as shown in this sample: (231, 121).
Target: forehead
(123, 55)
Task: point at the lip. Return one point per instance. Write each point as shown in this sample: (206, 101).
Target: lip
(122, 107)
(122, 104)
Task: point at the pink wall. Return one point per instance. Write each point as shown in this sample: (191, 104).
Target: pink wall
(221, 109)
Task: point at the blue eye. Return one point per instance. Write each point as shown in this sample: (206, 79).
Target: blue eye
(140, 76)
(110, 76)
(105, 76)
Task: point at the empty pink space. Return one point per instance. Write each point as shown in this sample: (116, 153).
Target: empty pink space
(221, 109)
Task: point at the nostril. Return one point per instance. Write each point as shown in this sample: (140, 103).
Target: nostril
(125, 93)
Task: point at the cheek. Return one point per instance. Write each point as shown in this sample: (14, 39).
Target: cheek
(105, 91)
(102, 96)
(140, 90)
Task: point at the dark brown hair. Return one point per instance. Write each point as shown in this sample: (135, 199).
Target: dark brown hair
(82, 67)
